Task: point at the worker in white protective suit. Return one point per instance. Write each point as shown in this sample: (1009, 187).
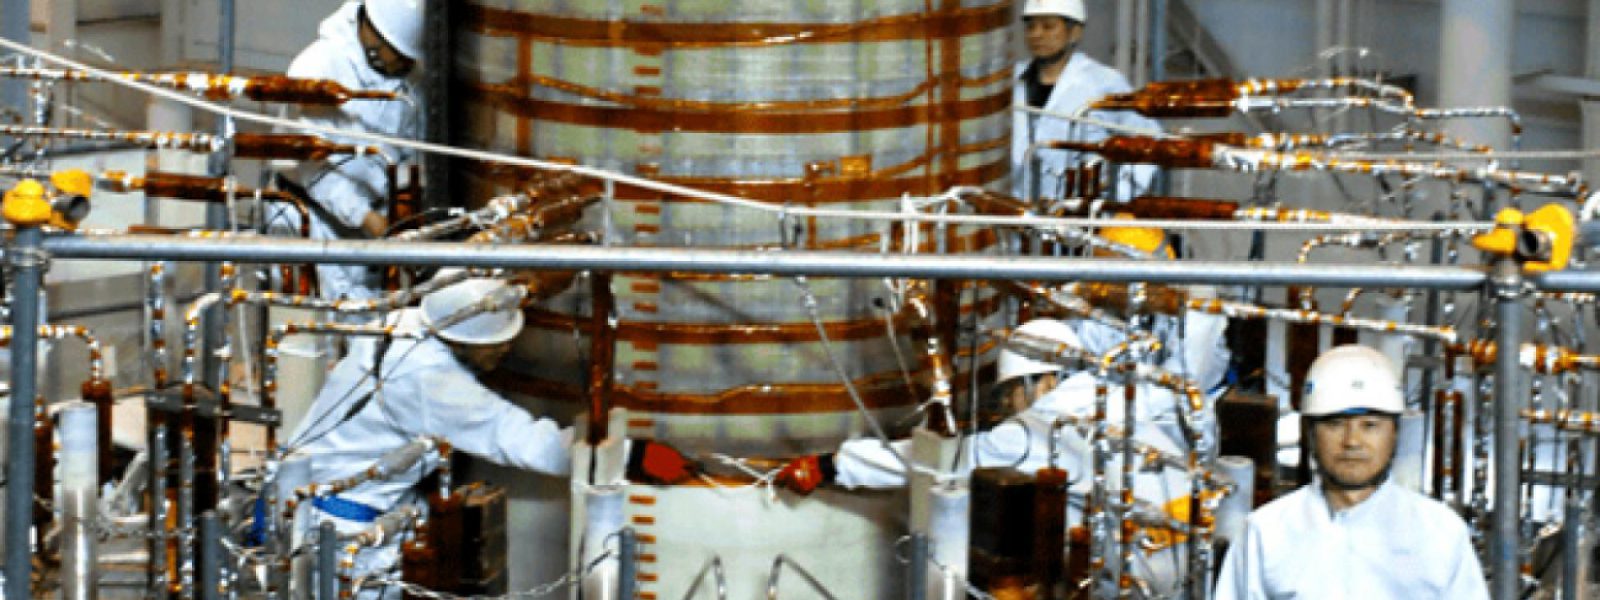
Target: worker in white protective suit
(1062, 80)
(422, 382)
(1353, 533)
(364, 45)
(1051, 425)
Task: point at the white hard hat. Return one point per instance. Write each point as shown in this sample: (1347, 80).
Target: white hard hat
(493, 306)
(1013, 365)
(1071, 9)
(400, 24)
(1352, 378)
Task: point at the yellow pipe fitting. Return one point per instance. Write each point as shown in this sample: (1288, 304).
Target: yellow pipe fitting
(1542, 240)
(26, 205)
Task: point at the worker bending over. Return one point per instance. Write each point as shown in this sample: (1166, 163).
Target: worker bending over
(422, 382)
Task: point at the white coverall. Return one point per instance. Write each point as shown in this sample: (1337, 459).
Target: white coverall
(1082, 81)
(1024, 443)
(349, 188)
(426, 391)
(1397, 544)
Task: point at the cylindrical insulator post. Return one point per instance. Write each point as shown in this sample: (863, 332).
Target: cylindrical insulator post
(603, 517)
(1409, 449)
(1236, 506)
(79, 473)
(948, 526)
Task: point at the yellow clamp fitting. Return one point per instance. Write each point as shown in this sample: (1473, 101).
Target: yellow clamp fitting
(1502, 240)
(1541, 239)
(1547, 238)
(26, 205)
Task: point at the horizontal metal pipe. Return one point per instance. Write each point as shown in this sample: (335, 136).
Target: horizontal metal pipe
(831, 264)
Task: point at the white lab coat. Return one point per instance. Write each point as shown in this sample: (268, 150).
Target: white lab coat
(1082, 81)
(425, 392)
(349, 187)
(1395, 545)
(1193, 346)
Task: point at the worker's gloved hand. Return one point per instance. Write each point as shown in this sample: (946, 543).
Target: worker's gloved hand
(803, 475)
(655, 462)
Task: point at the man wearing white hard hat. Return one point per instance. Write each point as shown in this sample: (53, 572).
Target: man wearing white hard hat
(422, 382)
(1047, 409)
(1353, 533)
(364, 45)
(1060, 79)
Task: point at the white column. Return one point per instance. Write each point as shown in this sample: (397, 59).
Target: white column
(1475, 64)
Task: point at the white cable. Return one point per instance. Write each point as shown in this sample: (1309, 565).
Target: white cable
(730, 200)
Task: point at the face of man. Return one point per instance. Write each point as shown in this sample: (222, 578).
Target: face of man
(1049, 36)
(1353, 452)
(382, 57)
(481, 358)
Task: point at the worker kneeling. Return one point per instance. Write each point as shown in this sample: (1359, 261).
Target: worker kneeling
(422, 383)
(1353, 533)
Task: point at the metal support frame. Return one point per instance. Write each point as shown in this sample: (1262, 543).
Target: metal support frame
(29, 265)
(211, 576)
(627, 564)
(438, 75)
(327, 561)
(1505, 541)
(1507, 283)
(820, 264)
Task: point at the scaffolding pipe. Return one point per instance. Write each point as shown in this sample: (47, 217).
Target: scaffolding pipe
(28, 273)
(1509, 397)
(211, 563)
(823, 264)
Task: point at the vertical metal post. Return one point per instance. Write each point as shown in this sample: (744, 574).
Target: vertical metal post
(15, 18)
(1572, 556)
(917, 568)
(1509, 396)
(1158, 41)
(627, 560)
(211, 563)
(217, 213)
(28, 261)
(327, 561)
(438, 74)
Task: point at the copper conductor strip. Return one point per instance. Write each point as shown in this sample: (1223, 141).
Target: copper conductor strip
(581, 32)
(886, 183)
(516, 84)
(793, 122)
(881, 391)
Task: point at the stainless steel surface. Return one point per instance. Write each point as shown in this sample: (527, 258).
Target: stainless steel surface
(28, 275)
(840, 264)
(1509, 397)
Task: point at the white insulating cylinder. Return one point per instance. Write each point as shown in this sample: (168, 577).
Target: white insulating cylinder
(603, 517)
(302, 368)
(949, 533)
(78, 499)
(1236, 506)
(1408, 451)
(294, 472)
